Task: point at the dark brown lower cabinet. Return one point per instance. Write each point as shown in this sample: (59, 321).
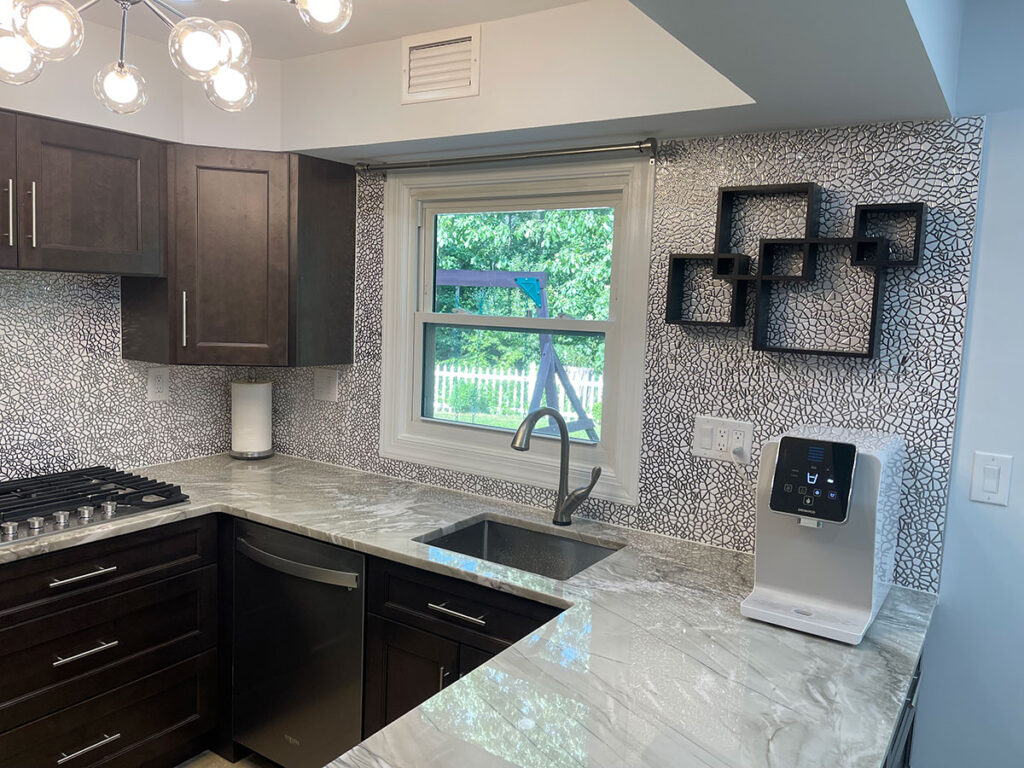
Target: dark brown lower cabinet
(404, 668)
(109, 651)
(424, 631)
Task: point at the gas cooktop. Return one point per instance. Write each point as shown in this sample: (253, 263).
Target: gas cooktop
(64, 501)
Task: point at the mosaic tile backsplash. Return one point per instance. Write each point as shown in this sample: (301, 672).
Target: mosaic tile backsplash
(910, 387)
(67, 399)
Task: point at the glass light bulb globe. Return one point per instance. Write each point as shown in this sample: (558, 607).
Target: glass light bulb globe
(231, 88)
(328, 16)
(198, 46)
(19, 63)
(241, 45)
(7, 14)
(53, 27)
(120, 88)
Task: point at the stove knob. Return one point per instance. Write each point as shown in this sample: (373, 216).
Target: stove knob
(9, 530)
(61, 517)
(36, 523)
(85, 513)
(109, 508)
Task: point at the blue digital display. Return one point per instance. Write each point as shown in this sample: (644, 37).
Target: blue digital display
(816, 453)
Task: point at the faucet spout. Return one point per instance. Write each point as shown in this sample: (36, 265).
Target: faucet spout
(567, 502)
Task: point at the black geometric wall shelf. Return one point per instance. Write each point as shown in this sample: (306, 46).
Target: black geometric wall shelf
(795, 293)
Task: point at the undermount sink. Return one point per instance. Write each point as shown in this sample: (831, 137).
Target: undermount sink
(546, 554)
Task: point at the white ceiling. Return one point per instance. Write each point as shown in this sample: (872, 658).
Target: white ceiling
(277, 32)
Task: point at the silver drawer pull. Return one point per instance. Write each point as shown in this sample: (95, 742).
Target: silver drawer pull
(100, 571)
(64, 756)
(478, 620)
(34, 197)
(10, 212)
(62, 660)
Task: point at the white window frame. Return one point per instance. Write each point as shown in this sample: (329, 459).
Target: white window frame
(411, 198)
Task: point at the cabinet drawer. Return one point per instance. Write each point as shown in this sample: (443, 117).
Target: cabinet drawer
(124, 728)
(482, 617)
(82, 651)
(39, 585)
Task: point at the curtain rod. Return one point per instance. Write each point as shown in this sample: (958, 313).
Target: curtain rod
(647, 146)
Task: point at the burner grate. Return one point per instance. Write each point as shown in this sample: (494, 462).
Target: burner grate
(37, 496)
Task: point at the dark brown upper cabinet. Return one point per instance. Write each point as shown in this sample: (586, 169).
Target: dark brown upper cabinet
(261, 249)
(81, 199)
(8, 183)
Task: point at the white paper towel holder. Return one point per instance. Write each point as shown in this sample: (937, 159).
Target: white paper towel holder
(252, 440)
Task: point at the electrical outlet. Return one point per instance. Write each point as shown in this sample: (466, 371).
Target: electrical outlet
(325, 384)
(158, 385)
(715, 438)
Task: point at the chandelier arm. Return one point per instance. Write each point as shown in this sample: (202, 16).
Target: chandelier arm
(159, 14)
(124, 35)
(86, 5)
(167, 7)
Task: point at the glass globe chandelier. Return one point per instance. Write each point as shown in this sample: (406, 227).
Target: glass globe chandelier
(214, 53)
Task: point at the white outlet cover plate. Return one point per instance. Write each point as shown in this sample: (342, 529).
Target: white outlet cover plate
(158, 384)
(990, 478)
(325, 384)
(704, 432)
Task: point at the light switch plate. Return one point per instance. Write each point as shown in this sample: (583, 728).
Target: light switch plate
(325, 384)
(158, 384)
(715, 438)
(990, 478)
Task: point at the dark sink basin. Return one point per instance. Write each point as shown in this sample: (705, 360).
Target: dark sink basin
(546, 554)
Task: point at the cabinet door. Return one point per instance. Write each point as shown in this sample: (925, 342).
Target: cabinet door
(470, 658)
(404, 668)
(8, 191)
(91, 200)
(232, 256)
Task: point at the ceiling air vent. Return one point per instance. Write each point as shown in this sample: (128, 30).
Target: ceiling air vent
(441, 65)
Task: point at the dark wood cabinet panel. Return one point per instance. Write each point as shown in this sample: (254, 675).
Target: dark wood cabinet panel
(232, 256)
(9, 191)
(90, 200)
(128, 726)
(470, 658)
(426, 600)
(261, 264)
(40, 585)
(73, 654)
(404, 668)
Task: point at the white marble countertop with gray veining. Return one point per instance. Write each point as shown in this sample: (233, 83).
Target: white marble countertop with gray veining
(650, 665)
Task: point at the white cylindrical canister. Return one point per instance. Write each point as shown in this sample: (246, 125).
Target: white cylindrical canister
(250, 419)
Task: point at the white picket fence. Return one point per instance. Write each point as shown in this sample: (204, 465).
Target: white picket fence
(508, 392)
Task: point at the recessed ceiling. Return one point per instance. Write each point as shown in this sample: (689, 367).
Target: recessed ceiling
(277, 32)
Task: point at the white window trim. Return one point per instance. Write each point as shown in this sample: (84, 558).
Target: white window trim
(404, 435)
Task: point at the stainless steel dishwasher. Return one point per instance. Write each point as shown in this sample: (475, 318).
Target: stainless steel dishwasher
(297, 683)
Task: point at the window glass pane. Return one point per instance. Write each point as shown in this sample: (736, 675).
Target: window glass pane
(495, 378)
(543, 263)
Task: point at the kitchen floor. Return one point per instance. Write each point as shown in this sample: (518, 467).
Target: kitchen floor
(210, 760)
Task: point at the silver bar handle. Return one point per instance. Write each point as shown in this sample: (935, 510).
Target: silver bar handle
(184, 318)
(345, 579)
(442, 608)
(440, 678)
(10, 212)
(64, 756)
(100, 571)
(62, 660)
(33, 193)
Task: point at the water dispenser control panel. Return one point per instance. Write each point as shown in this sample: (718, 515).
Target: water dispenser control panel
(813, 479)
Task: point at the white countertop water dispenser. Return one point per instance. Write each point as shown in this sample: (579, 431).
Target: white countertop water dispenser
(828, 507)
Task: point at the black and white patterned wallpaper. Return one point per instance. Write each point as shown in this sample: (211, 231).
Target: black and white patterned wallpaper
(910, 387)
(67, 400)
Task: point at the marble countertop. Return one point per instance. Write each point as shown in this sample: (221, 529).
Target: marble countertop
(650, 665)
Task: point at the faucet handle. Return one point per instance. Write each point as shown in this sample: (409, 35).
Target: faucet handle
(595, 475)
